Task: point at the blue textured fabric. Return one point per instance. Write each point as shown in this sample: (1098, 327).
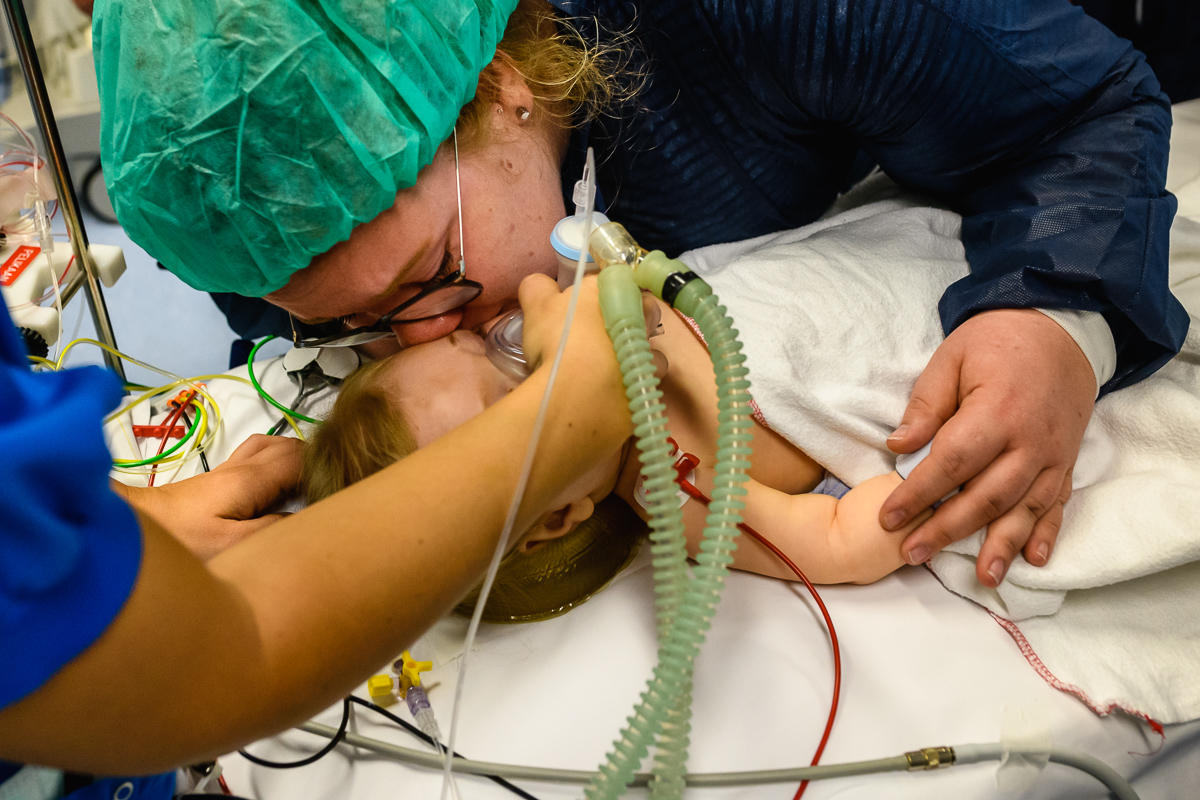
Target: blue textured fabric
(1046, 131)
(832, 486)
(69, 548)
(152, 787)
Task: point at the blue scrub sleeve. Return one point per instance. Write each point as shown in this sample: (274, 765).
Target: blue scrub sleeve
(1046, 131)
(70, 549)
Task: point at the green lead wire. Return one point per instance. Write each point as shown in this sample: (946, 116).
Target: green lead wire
(262, 392)
(161, 456)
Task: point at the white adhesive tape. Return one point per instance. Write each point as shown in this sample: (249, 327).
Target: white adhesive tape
(1025, 736)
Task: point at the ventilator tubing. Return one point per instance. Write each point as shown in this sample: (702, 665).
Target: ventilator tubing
(684, 606)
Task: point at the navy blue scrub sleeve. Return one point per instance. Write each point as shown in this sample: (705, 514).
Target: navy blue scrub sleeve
(1046, 131)
(70, 549)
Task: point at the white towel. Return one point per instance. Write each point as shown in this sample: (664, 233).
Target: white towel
(839, 318)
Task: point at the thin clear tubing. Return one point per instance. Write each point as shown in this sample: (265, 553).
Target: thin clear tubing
(684, 607)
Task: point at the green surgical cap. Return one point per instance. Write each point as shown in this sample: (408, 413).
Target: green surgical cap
(241, 138)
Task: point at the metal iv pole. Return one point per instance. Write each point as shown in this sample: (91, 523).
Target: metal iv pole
(18, 24)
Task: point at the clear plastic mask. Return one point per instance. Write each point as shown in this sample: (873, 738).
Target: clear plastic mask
(503, 343)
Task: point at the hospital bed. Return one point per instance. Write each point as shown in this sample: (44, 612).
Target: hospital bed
(922, 667)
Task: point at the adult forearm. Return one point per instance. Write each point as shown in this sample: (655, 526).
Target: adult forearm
(399, 549)
(202, 660)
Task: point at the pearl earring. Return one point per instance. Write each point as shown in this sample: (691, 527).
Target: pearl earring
(522, 114)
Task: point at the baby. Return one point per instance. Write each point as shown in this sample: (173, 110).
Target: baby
(394, 406)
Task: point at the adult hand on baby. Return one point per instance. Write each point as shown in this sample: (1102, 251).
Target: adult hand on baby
(1005, 399)
(214, 511)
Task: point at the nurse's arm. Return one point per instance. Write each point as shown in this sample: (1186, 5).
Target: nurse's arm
(205, 658)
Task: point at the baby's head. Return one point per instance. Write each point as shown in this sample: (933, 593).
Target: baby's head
(390, 408)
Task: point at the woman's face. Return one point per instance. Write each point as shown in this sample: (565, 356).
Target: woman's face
(511, 200)
(440, 385)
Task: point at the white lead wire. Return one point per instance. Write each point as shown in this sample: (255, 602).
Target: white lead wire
(522, 482)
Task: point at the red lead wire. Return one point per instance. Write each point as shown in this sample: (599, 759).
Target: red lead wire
(685, 465)
(181, 403)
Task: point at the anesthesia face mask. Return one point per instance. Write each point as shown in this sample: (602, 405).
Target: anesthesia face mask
(503, 343)
(569, 237)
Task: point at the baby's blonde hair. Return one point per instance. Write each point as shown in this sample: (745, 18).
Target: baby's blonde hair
(363, 434)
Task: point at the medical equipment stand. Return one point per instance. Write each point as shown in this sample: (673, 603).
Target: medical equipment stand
(18, 25)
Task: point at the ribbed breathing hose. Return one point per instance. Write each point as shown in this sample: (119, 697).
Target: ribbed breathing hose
(683, 606)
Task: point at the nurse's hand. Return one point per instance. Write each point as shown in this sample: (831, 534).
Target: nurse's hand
(214, 511)
(589, 367)
(1005, 399)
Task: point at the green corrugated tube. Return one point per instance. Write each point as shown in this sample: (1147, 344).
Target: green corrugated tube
(684, 606)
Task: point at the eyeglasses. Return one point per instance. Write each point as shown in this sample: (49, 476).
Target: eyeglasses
(433, 298)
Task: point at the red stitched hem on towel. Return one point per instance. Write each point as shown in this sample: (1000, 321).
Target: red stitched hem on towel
(1049, 677)
(1063, 686)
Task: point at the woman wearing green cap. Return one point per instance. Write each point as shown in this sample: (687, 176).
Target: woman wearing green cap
(302, 151)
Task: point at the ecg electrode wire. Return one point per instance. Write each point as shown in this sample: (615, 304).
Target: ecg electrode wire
(160, 457)
(522, 481)
(191, 382)
(203, 457)
(305, 392)
(197, 444)
(429, 740)
(168, 424)
(317, 756)
(263, 393)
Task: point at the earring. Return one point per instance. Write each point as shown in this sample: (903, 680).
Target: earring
(522, 113)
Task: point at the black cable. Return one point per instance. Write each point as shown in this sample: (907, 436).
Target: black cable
(341, 732)
(420, 734)
(187, 424)
(304, 762)
(281, 425)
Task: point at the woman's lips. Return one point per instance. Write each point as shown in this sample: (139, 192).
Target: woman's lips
(427, 330)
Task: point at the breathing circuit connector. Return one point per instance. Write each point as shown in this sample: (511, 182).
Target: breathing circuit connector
(666, 278)
(611, 244)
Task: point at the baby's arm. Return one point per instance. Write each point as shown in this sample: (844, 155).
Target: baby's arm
(831, 540)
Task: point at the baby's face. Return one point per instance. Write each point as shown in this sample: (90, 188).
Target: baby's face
(442, 384)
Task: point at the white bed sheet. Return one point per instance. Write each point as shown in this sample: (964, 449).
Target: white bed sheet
(922, 668)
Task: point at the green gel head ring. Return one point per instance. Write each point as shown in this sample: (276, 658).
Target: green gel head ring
(566, 571)
(241, 138)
